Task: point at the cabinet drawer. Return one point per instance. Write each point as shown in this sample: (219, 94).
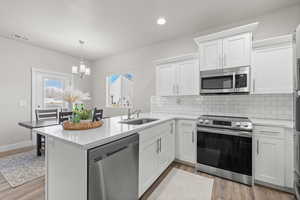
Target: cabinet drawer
(270, 131)
(186, 124)
(155, 131)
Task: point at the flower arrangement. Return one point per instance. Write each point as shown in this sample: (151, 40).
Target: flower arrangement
(74, 96)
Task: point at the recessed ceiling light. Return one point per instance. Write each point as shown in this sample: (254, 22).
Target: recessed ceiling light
(161, 21)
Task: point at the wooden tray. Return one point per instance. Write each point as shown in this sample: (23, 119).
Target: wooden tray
(81, 125)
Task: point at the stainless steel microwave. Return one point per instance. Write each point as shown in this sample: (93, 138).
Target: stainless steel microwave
(230, 80)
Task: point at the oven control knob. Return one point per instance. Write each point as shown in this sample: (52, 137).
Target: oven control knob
(206, 121)
(201, 121)
(238, 124)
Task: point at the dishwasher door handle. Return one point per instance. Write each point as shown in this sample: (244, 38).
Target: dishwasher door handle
(110, 154)
(116, 151)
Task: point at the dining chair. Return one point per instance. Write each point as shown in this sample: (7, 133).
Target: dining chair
(97, 114)
(43, 115)
(64, 116)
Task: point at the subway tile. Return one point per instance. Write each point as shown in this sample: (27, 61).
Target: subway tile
(275, 106)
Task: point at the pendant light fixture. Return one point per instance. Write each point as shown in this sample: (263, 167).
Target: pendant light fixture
(82, 70)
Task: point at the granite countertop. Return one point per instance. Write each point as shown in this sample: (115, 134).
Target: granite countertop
(110, 131)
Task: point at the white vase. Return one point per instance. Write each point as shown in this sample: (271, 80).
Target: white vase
(70, 106)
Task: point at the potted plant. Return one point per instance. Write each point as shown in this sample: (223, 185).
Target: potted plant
(81, 114)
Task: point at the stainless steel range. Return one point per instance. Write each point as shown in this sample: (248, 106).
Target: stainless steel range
(224, 147)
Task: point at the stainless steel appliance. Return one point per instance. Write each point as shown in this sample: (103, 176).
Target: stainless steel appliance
(224, 147)
(113, 170)
(297, 112)
(230, 80)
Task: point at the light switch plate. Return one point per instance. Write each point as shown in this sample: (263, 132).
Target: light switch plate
(22, 103)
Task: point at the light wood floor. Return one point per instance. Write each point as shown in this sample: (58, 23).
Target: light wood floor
(227, 190)
(222, 189)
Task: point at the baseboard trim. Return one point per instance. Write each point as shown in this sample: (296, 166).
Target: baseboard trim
(19, 145)
(185, 162)
(276, 187)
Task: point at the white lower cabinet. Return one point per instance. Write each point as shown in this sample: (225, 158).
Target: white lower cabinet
(272, 156)
(269, 160)
(186, 141)
(156, 153)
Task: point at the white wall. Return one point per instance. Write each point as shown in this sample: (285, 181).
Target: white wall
(139, 61)
(16, 60)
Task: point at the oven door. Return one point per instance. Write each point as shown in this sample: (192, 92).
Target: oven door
(217, 82)
(228, 150)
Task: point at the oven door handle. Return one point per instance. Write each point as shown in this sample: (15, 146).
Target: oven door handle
(225, 132)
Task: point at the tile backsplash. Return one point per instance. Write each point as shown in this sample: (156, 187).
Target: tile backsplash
(271, 106)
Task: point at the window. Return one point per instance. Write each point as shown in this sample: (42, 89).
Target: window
(119, 91)
(53, 89)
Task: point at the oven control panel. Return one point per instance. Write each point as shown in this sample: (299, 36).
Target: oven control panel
(225, 122)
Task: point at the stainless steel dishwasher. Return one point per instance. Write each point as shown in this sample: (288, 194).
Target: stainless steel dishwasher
(113, 170)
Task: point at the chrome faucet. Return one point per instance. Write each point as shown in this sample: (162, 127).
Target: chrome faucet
(130, 112)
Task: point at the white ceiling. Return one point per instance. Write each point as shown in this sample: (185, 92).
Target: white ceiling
(111, 26)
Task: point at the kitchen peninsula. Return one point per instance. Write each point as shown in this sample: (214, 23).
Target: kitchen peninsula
(67, 153)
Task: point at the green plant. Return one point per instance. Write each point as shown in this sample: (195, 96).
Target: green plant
(84, 114)
(81, 113)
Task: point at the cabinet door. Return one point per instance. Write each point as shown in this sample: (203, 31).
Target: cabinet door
(167, 148)
(272, 70)
(237, 51)
(188, 77)
(165, 80)
(148, 164)
(269, 160)
(210, 55)
(186, 141)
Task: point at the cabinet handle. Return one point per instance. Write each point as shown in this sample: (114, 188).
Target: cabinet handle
(225, 61)
(253, 85)
(157, 143)
(193, 135)
(257, 147)
(171, 128)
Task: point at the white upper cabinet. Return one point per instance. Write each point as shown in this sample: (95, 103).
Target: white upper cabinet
(228, 52)
(237, 50)
(272, 66)
(178, 77)
(210, 55)
(226, 49)
(165, 75)
(188, 77)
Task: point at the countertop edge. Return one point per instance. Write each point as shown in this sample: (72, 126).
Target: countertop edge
(169, 117)
(117, 137)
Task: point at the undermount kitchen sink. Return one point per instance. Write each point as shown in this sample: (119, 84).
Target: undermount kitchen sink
(139, 121)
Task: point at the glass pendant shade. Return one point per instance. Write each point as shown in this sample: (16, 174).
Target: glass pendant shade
(74, 69)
